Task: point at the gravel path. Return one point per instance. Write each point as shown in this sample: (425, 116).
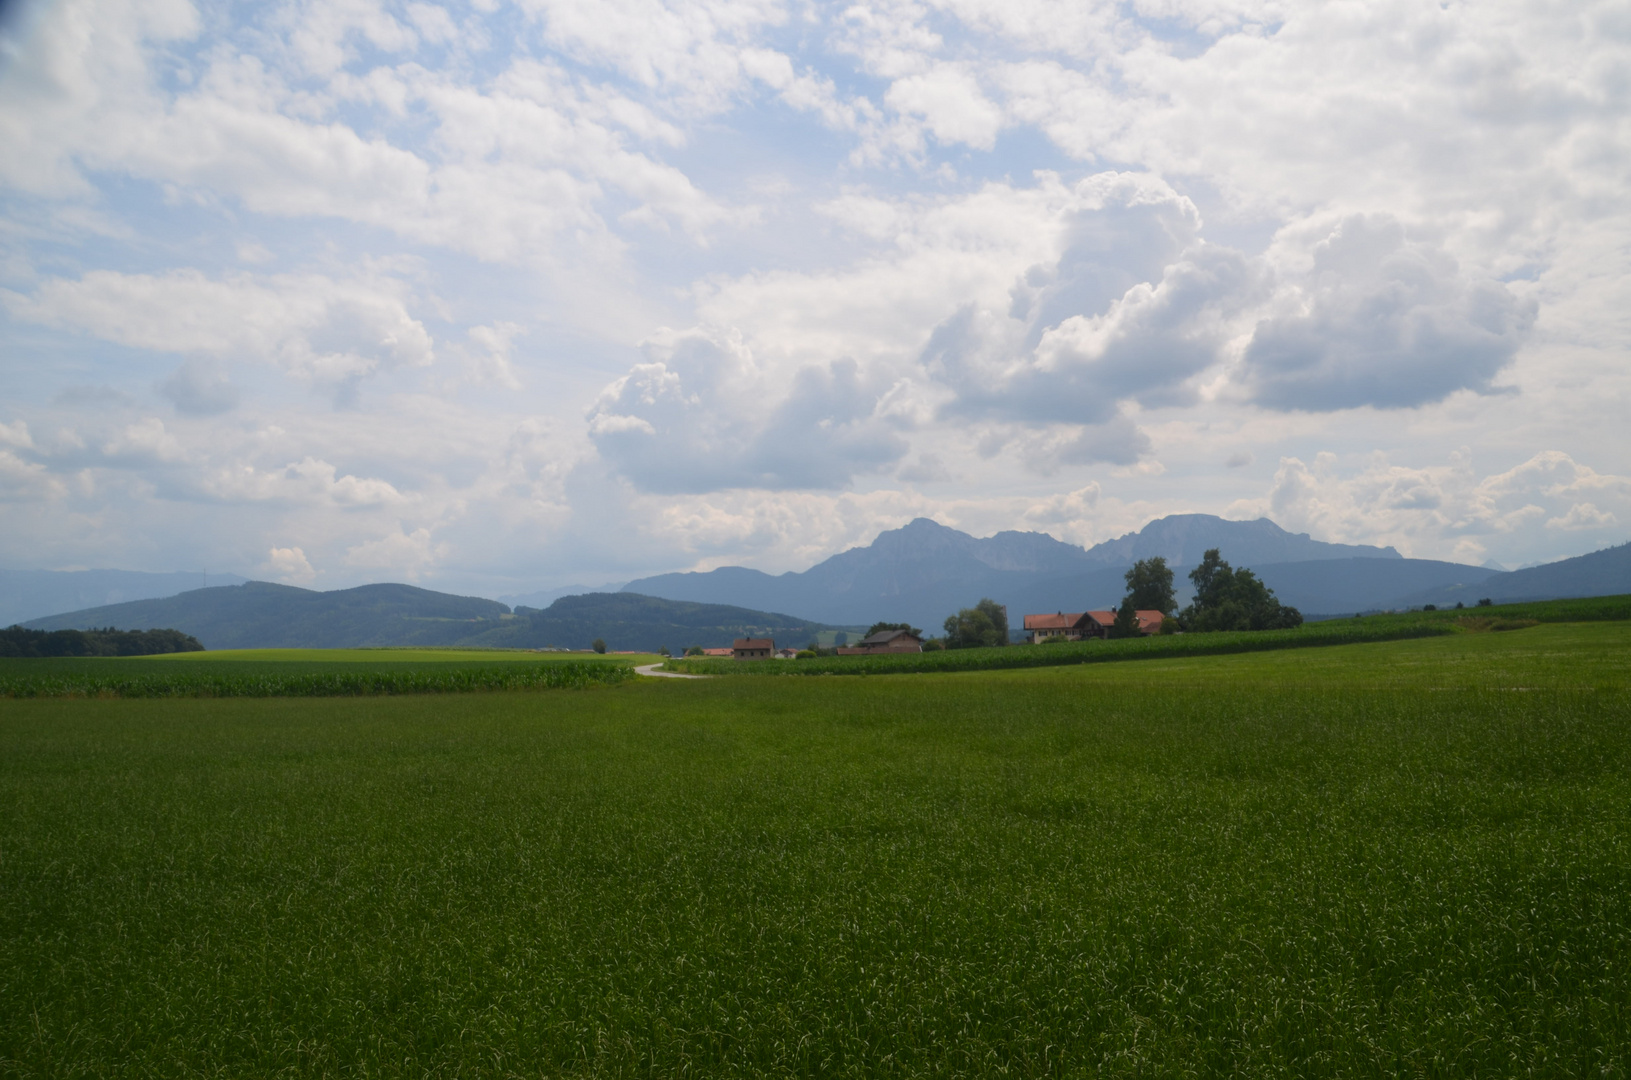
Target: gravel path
(651, 670)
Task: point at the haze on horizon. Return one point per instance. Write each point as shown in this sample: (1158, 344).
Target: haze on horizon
(490, 296)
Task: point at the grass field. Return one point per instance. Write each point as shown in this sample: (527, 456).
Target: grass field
(392, 655)
(311, 673)
(1410, 857)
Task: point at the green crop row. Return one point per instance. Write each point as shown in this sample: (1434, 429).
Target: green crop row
(39, 680)
(1371, 628)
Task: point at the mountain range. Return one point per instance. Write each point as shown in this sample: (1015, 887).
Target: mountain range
(924, 571)
(260, 615)
(919, 573)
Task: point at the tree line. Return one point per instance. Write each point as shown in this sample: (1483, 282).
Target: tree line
(19, 642)
(1225, 599)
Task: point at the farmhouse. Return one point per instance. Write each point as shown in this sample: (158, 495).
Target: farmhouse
(752, 648)
(1059, 624)
(1087, 624)
(892, 641)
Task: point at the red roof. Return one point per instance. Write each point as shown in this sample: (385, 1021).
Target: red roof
(1149, 622)
(1059, 621)
(753, 643)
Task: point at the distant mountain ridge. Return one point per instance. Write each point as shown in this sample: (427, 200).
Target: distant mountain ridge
(924, 571)
(34, 594)
(261, 615)
(631, 621)
(1601, 573)
(1183, 538)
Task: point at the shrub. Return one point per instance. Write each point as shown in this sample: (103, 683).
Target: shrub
(599, 645)
(1485, 602)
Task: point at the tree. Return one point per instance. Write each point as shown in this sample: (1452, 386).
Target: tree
(695, 650)
(1126, 624)
(1230, 599)
(1149, 586)
(599, 645)
(880, 627)
(662, 650)
(984, 624)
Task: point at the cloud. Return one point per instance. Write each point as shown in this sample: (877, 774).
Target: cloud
(1444, 510)
(1385, 322)
(312, 326)
(486, 358)
(952, 106)
(517, 167)
(1069, 507)
(1132, 309)
(26, 481)
(200, 388)
(927, 469)
(289, 565)
(310, 481)
(702, 414)
(1582, 516)
(409, 554)
(16, 434)
(146, 442)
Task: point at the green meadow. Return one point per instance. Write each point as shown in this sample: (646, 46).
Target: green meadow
(1381, 858)
(311, 673)
(388, 655)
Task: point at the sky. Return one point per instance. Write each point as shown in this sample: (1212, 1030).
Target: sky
(490, 296)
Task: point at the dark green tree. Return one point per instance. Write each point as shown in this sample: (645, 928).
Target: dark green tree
(1230, 599)
(1149, 586)
(984, 624)
(1126, 624)
(599, 645)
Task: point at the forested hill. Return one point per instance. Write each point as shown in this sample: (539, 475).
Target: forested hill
(632, 621)
(263, 615)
